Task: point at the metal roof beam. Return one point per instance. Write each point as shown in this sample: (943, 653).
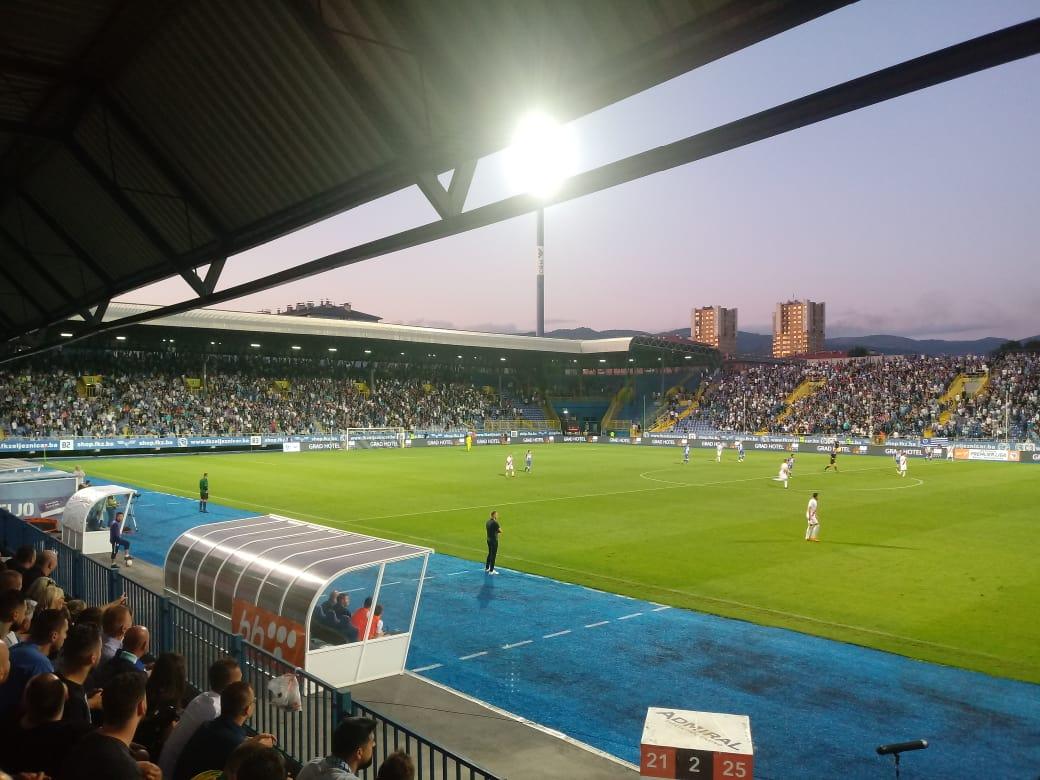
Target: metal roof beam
(52, 224)
(186, 191)
(114, 191)
(971, 56)
(37, 267)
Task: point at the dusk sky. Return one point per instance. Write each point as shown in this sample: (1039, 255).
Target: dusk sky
(919, 216)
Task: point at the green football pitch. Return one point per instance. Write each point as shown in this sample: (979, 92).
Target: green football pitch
(940, 565)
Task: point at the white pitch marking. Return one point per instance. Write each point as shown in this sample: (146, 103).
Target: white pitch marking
(627, 617)
(600, 623)
(452, 574)
(893, 487)
(517, 644)
(429, 668)
(472, 655)
(660, 609)
(558, 633)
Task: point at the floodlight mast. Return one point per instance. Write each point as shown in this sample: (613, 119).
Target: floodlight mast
(540, 274)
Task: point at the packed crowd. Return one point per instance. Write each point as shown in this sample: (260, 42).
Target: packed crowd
(896, 397)
(138, 397)
(1011, 401)
(82, 697)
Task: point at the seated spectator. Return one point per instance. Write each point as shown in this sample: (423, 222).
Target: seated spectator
(360, 618)
(80, 655)
(397, 766)
(213, 743)
(127, 660)
(46, 563)
(167, 685)
(115, 622)
(10, 579)
(105, 753)
(23, 560)
(353, 745)
(262, 763)
(378, 628)
(13, 611)
(46, 594)
(39, 741)
(202, 709)
(32, 657)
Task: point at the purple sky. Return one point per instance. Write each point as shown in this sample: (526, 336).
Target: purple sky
(916, 217)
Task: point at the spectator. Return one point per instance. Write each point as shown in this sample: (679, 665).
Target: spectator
(128, 660)
(106, 752)
(13, 610)
(80, 655)
(263, 763)
(115, 622)
(10, 579)
(213, 743)
(397, 766)
(92, 615)
(167, 685)
(22, 561)
(46, 594)
(46, 563)
(32, 657)
(5, 662)
(353, 745)
(39, 741)
(360, 618)
(202, 709)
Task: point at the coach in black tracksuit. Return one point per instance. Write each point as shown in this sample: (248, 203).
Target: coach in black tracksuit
(493, 530)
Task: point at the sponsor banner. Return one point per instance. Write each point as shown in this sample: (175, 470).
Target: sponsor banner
(1034, 457)
(539, 439)
(256, 441)
(290, 446)
(37, 498)
(972, 453)
(319, 446)
(283, 638)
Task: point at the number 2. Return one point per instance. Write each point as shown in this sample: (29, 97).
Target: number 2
(695, 765)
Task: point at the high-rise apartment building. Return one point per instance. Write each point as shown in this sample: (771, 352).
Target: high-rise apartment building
(798, 328)
(715, 326)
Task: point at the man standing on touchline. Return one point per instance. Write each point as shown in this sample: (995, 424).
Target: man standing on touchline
(204, 492)
(493, 531)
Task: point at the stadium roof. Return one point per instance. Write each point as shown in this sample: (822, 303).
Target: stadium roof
(382, 339)
(142, 141)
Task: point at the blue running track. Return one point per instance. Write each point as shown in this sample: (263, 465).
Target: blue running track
(589, 663)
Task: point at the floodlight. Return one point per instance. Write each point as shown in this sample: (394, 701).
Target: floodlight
(120, 338)
(542, 155)
(332, 349)
(296, 346)
(66, 335)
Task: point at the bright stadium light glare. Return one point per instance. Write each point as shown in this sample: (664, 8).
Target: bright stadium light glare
(542, 155)
(120, 338)
(332, 349)
(255, 346)
(369, 352)
(296, 346)
(66, 335)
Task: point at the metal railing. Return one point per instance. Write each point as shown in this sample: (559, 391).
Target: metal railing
(303, 734)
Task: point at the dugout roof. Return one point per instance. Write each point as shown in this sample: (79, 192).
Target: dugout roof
(146, 140)
(278, 564)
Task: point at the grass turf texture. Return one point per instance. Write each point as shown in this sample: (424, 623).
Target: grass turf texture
(940, 565)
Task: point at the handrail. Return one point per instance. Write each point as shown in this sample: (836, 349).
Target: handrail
(301, 735)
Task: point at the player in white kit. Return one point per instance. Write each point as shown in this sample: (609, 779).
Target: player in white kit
(740, 452)
(902, 464)
(718, 452)
(813, 528)
(686, 454)
(785, 473)
(509, 466)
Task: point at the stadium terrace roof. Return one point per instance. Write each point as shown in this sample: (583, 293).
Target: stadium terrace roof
(142, 141)
(275, 333)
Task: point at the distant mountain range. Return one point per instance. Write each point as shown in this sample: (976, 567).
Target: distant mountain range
(759, 344)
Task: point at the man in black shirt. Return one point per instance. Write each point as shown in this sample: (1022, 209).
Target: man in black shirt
(39, 741)
(106, 752)
(79, 655)
(214, 742)
(46, 563)
(493, 532)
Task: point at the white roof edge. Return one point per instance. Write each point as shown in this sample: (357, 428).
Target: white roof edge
(220, 319)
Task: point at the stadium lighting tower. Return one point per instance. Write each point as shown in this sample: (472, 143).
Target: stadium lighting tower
(540, 158)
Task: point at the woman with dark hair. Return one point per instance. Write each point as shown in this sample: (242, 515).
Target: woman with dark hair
(165, 692)
(397, 766)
